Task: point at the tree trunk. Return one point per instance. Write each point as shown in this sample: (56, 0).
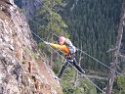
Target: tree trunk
(116, 52)
(76, 76)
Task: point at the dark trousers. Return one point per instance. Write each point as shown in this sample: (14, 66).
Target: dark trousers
(74, 63)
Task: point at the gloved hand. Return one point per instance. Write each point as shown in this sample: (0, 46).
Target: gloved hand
(46, 42)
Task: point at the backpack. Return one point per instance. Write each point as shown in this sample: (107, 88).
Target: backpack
(70, 46)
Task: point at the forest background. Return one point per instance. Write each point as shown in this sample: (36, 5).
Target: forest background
(92, 27)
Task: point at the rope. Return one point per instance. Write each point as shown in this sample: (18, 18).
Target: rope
(48, 45)
(77, 48)
(84, 53)
(94, 59)
(99, 62)
(55, 51)
(83, 75)
(37, 35)
(70, 64)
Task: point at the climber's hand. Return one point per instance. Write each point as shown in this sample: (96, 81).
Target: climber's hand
(46, 42)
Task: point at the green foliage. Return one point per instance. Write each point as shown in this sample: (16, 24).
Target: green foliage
(49, 24)
(121, 82)
(119, 86)
(83, 85)
(52, 21)
(58, 62)
(92, 25)
(83, 88)
(72, 91)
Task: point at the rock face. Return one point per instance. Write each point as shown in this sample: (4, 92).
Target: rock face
(22, 70)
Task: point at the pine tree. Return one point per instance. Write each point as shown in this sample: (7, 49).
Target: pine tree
(52, 21)
(52, 24)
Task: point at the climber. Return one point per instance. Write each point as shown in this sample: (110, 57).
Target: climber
(66, 46)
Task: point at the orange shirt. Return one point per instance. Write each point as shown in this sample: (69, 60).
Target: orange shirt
(63, 48)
